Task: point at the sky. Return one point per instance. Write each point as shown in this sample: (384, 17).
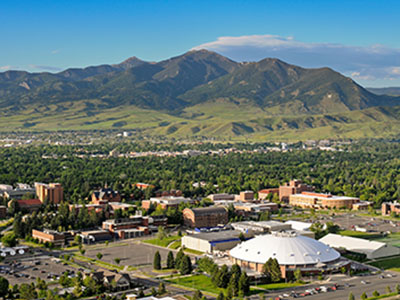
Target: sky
(357, 38)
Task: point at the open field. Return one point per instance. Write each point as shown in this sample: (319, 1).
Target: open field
(164, 242)
(200, 282)
(279, 285)
(392, 264)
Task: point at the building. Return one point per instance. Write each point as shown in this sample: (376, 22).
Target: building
(50, 236)
(371, 249)
(116, 281)
(254, 209)
(263, 194)
(29, 205)
(292, 252)
(105, 195)
(94, 236)
(318, 200)
(171, 193)
(53, 192)
(390, 207)
(165, 202)
(19, 193)
(221, 197)
(143, 186)
(212, 241)
(261, 227)
(205, 216)
(298, 225)
(3, 212)
(291, 188)
(246, 196)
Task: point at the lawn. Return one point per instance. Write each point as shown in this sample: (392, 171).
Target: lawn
(200, 282)
(191, 251)
(279, 285)
(388, 264)
(175, 245)
(164, 242)
(362, 235)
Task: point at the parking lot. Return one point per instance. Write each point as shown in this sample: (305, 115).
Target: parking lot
(28, 270)
(131, 253)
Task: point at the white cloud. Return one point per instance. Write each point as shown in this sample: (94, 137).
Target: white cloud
(56, 51)
(45, 68)
(5, 68)
(364, 63)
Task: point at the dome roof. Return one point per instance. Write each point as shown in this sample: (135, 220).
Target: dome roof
(287, 248)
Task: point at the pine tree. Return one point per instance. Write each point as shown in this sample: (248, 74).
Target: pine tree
(161, 288)
(351, 296)
(170, 260)
(235, 270)
(178, 258)
(157, 261)
(364, 296)
(244, 283)
(276, 274)
(221, 296)
(233, 285)
(186, 265)
(222, 277)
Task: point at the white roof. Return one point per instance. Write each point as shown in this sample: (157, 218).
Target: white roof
(351, 243)
(287, 248)
(297, 225)
(323, 196)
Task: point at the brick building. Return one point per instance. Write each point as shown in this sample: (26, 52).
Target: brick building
(51, 236)
(263, 194)
(54, 192)
(389, 207)
(291, 188)
(317, 200)
(246, 196)
(105, 195)
(165, 202)
(29, 205)
(205, 217)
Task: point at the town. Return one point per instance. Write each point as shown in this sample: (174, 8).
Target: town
(275, 243)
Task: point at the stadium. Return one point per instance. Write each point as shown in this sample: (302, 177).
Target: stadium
(292, 251)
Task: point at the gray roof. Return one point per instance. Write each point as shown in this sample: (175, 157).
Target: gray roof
(217, 236)
(209, 210)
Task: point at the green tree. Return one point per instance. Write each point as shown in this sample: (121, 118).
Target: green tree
(170, 260)
(178, 258)
(244, 283)
(364, 296)
(161, 288)
(9, 240)
(375, 293)
(351, 296)
(397, 288)
(117, 260)
(161, 233)
(242, 237)
(221, 277)
(4, 284)
(157, 261)
(297, 275)
(221, 296)
(197, 295)
(388, 290)
(233, 285)
(272, 270)
(27, 291)
(99, 255)
(186, 265)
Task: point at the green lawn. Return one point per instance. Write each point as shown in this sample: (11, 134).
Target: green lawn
(279, 285)
(358, 234)
(164, 242)
(175, 245)
(200, 282)
(191, 251)
(388, 264)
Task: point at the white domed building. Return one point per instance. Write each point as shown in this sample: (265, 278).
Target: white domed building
(292, 252)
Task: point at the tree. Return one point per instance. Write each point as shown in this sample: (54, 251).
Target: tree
(186, 265)
(161, 233)
(153, 291)
(233, 285)
(161, 288)
(388, 290)
(375, 293)
(197, 295)
(242, 237)
(244, 283)
(157, 261)
(397, 288)
(364, 296)
(170, 260)
(221, 296)
(178, 258)
(272, 270)
(27, 291)
(117, 260)
(221, 277)
(297, 275)
(4, 284)
(9, 240)
(99, 255)
(351, 296)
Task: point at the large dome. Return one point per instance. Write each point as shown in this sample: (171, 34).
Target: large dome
(287, 248)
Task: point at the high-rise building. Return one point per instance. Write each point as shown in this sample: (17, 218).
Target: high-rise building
(54, 192)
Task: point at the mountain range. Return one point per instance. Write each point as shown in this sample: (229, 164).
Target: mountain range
(199, 93)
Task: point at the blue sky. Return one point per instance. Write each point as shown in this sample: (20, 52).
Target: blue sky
(358, 38)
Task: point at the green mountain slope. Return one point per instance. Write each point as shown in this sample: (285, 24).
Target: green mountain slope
(199, 93)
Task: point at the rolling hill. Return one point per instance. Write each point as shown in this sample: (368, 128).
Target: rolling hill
(199, 93)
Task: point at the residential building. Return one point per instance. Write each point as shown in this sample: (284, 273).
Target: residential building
(53, 192)
(318, 200)
(205, 217)
(291, 188)
(390, 207)
(105, 195)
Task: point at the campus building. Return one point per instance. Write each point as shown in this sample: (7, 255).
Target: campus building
(29, 205)
(53, 192)
(165, 202)
(318, 200)
(292, 251)
(105, 195)
(390, 207)
(264, 193)
(205, 216)
(291, 188)
(50, 236)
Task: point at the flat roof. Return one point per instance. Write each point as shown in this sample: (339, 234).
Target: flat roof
(216, 236)
(323, 197)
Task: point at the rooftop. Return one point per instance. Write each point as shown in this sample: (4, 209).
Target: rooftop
(217, 236)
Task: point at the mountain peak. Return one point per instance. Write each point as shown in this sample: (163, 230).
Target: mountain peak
(130, 62)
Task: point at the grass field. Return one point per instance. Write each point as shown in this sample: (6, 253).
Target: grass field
(200, 282)
(164, 242)
(362, 235)
(99, 263)
(279, 285)
(388, 264)
(175, 245)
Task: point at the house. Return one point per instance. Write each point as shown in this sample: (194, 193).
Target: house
(111, 280)
(205, 216)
